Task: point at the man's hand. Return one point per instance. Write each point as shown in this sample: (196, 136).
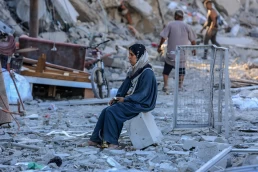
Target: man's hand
(159, 50)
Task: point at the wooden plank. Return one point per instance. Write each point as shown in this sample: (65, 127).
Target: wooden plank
(52, 91)
(57, 77)
(235, 90)
(88, 93)
(57, 71)
(244, 81)
(31, 61)
(47, 81)
(41, 65)
(77, 102)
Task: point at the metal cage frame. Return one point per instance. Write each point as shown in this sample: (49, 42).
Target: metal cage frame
(223, 65)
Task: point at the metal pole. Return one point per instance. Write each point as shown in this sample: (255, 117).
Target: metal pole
(34, 22)
(176, 87)
(245, 150)
(226, 95)
(247, 2)
(211, 113)
(220, 93)
(214, 160)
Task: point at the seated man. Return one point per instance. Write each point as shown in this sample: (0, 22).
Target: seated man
(138, 93)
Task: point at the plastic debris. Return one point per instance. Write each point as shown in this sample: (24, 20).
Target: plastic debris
(34, 166)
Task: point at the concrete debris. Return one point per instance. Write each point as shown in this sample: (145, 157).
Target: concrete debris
(23, 9)
(248, 19)
(54, 36)
(143, 131)
(86, 13)
(142, 7)
(66, 10)
(166, 167)
(231, 6)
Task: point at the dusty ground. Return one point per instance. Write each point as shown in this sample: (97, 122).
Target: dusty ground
(75, 123)
(59, 132)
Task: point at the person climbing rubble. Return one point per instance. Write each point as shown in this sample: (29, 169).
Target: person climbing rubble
(211, 26)
(176, 33)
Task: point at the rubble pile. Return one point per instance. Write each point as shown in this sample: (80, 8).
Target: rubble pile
(58, 131)
(90, 22)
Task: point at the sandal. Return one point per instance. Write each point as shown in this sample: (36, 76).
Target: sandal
(165, 89)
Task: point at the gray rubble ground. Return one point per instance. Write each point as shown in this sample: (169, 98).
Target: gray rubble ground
(69, 126)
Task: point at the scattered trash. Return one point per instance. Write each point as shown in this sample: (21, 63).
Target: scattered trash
(112, 162)
(33, 116)
(22, 85)
(46, 119)
(172, 5)
(245, 103)
(52, 107)
(56, 160)
(234, 30)
(35, 166)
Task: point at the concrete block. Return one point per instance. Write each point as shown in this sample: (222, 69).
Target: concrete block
(166, 167)
(209, 138)
(143, 131)
(207, 150)
(188, 144)
(144, 153)
(177, 153)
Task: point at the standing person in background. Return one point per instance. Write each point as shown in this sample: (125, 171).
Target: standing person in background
(212, 25)
(176, 33)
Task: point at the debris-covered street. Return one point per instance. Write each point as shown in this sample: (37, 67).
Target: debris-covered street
(58, 107)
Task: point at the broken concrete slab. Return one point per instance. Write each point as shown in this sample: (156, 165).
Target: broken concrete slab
(114, 152)
(66, 10)
(143, 131)
(167, 167)
(76, 102)
(23, 9)
(54, 36)
(86, 13)
(209, 138)
(189, 144)
(236, 41)
(231, 6)
(248, 19)
(142, 6)
(177, 153)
